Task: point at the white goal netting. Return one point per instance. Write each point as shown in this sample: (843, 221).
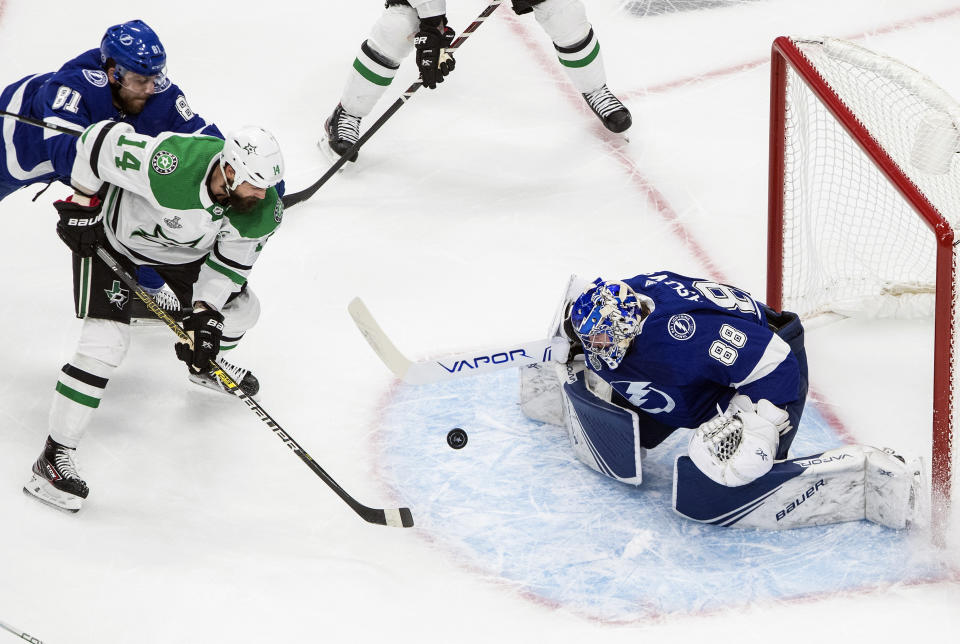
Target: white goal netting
(870, 185)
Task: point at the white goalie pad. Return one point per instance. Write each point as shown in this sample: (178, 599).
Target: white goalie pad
(845, 484)
(540, 395)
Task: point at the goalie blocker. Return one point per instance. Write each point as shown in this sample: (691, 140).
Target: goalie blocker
(732, 479)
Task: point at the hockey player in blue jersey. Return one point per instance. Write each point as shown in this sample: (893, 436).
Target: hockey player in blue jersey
(663, 353)
(122, 80)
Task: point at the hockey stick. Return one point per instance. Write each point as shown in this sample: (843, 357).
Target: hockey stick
(466, 364)
(294, 198)
(21, 634)
(396, 518)
(39, 123)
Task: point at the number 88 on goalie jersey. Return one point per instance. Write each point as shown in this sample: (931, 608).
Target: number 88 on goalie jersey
(701, 344)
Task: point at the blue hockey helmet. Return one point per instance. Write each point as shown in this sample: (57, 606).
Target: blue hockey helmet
(134, 47)
(606, 317)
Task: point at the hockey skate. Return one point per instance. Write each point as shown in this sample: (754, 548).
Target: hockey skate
(55, 479)
(342, 131)
(140, 315)
(247, 381)
(608, 108)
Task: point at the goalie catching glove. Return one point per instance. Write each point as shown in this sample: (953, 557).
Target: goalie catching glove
(432, 58)
(81, 223)
(205, 327)
(738, 446)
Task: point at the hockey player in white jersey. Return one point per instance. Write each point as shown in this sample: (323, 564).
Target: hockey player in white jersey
(664, 353)
(421, 25)
(199, 210)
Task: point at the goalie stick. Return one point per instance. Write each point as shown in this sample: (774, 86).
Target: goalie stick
(396, 518)
(457, 366)
(294, 198)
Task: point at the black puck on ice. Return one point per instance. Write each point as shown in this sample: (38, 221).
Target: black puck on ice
(456, 438)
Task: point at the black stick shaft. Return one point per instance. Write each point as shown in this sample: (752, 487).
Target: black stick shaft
(296, 197)
(39, 123)
(400, 517)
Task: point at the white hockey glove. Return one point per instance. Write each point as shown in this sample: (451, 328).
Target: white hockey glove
(738, 446)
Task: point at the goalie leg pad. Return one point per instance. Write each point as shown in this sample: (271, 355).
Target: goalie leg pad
(604, 436)
(540, 396)
(839, 485)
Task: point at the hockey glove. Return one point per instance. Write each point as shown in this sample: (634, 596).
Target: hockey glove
(81, 223)
(432, 58)
(205, 327)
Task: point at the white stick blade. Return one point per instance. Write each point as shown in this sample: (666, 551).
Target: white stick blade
(377, 339)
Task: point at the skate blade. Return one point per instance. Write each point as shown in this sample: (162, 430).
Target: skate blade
(42, 491)
(215, 386)
(330, 155)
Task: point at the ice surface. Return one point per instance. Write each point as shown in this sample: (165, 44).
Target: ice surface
(459, 225)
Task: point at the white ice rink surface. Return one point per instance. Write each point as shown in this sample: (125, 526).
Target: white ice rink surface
(458, 226)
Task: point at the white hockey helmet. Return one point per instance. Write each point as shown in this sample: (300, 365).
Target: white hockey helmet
(255, 157)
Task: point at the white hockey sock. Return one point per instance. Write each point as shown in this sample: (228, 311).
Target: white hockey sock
(390, 41)
(565, 21)
(583, 63)
(79, 390)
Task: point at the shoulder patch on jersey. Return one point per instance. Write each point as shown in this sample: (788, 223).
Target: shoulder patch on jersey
(183, 107)
(96, 77)
(681, 326)
(164, 162)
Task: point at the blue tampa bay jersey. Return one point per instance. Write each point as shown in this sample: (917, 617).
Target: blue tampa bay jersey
(76, 95)
(702, 343)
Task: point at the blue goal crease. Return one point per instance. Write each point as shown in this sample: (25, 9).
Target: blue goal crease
(517, 504)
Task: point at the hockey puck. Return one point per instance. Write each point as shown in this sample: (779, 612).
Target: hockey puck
(456, 438)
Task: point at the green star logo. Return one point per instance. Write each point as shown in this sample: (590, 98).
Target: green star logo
(116, 295)
(164, 162)
(160, 238)
(250, 148)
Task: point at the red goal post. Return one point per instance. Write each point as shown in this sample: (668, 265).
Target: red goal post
(864, 194)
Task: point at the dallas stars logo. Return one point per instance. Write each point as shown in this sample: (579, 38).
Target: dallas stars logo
(160, 238)
(250, 148)
(116, 295)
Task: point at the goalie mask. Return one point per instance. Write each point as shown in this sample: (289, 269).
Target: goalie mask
(606, 317)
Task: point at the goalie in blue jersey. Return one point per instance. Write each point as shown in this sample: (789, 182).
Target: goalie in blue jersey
(660, 353)
(122, 80)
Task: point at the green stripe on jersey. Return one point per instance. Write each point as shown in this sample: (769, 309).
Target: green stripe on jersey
(373, 77)
(77, 397)
(223, 270)
(84, 299)
(583, 62)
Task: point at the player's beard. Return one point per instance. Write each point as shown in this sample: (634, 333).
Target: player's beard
(129, 102)
(242, 204)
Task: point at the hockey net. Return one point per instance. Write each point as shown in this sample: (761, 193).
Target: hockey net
(864, 198)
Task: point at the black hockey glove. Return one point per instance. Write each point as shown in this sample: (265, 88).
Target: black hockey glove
(205, 326)
(432, 58)
(81, 223)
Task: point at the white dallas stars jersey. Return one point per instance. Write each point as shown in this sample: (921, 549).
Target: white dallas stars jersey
(157, 209)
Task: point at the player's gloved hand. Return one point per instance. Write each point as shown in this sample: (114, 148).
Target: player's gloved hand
(205, 326)
(432, 58)
(81, 223)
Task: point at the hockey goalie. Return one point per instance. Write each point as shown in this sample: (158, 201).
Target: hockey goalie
(661, 352)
